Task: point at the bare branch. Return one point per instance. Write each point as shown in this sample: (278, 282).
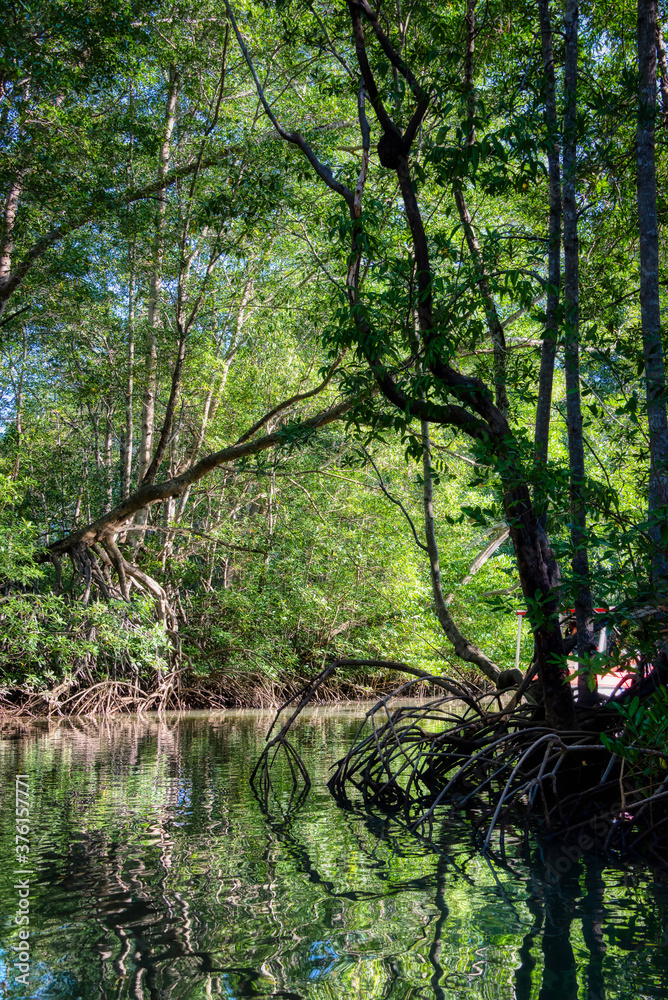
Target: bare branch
(295, 138)
(398, 503)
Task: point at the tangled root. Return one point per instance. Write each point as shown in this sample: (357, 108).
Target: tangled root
(465, 753)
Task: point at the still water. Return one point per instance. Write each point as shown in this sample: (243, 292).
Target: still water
(155, 874)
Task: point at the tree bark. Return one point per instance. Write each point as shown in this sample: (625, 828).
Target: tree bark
(108, 463)
(650, 312)
(153, 318)
(8, 226)
(18, 389)
(662, 64)
(549, 345)
(580, 555)
(128, 436)
(145, 496)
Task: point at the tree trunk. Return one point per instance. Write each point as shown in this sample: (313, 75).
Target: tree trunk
(662, 63)
(580, 556)
(549, 347)
(649, 287)
(474, 412)
(539, 575)
(153, 318)
(466, 650)
(147, 495)
(8, 226)
(108, 463)
(19, 408)
(128, 436)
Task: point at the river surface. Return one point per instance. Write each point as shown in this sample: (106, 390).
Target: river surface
(153, 873)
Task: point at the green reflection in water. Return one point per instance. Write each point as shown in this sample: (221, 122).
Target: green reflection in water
(157, 875)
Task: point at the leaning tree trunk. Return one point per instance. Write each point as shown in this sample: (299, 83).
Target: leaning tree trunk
(474, 412)
(580, 556)
(650, 313)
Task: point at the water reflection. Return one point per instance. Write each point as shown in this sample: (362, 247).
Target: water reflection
(156, 875)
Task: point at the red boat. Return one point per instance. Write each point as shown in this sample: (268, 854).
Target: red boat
(609, 683)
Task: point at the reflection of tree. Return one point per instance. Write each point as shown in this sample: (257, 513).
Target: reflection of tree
(527, 961)
(593, 915)
(435, 950)
(165, 880)
(553, 906)
(150, 922)
(559, 971)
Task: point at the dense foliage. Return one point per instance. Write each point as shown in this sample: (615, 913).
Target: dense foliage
(176, 277)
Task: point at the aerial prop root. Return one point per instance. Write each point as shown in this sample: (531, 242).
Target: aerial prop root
(261, 778)
(498, 768)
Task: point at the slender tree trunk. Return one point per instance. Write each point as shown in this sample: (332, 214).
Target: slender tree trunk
(649, 287)
(128, 437)
(216, 389)
(662, 64)
(466, 650)
(549, 347)
(77, 506)
(169, 508)
(153, 315)
(19, 409)
(8, 226)
(95, 419)
(170, 410)
(153, 318)
(580, 556)
(108, 464)
(271, 525)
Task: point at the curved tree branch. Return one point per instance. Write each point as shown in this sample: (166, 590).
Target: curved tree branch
(295, 138)
(154, 493)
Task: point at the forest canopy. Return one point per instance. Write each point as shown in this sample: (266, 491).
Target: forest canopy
(329, 330)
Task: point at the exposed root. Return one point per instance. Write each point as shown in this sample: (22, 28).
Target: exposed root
(261, 776)
(181, 688)
(501, 769)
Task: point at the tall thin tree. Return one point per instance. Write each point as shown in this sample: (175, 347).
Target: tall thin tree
(549, 346)
(580, 555)
(650, 309)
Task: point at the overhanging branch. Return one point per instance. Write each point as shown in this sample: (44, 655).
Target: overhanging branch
(147, 495)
